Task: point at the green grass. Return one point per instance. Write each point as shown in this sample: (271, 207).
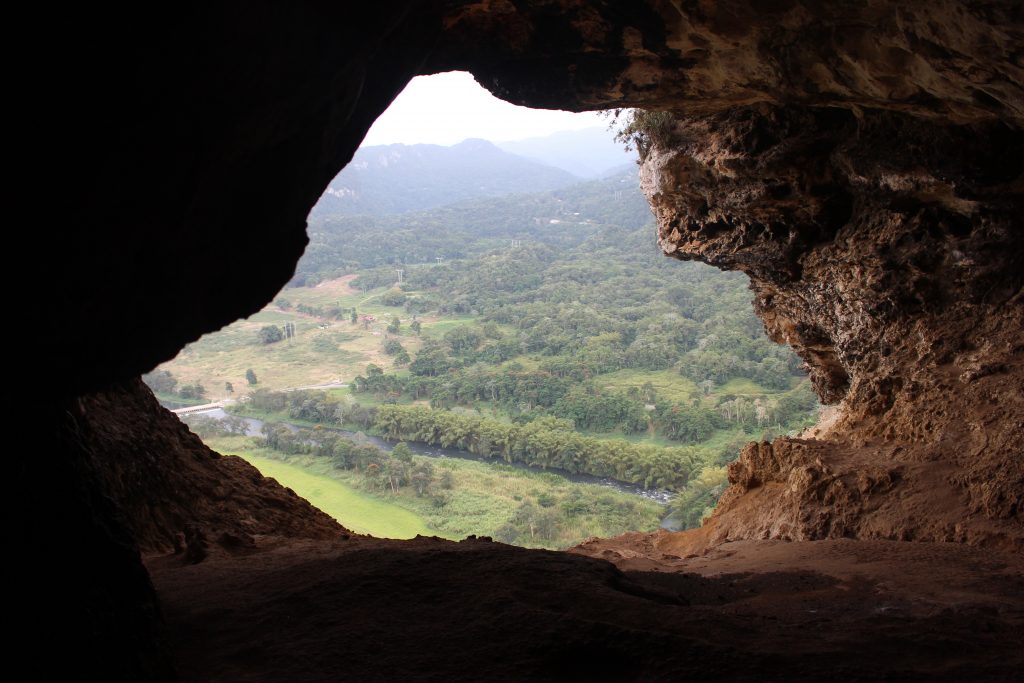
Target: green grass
(322, 351)
(174, 398)
(436, 327)
(484, 498)
(355, 510)
(669, 384)
(743, 387)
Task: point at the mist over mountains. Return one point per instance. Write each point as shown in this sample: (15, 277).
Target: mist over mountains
(587, 153)
(398, 178)
(419, 203)
(390, 179)
(563, 218)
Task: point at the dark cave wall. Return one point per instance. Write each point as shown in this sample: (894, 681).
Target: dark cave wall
(954, 61)
(171, 159)
(171, 156)
(173, 493)
(112, 476)
(888, 251)
(193, 143)
(852, 227)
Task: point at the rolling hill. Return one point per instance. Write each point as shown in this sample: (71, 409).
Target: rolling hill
(396, 178)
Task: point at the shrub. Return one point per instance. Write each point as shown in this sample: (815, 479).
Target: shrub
(642, 130)
(269, 334)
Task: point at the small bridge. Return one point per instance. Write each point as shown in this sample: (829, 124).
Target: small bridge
(187, 410)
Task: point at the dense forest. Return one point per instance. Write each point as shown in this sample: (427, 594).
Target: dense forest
(561, 219)
(559, 308)
(452, 497)
(547, 329)
(392, 179)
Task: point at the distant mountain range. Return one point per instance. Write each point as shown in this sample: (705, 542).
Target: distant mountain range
(396, 178)
(564, 218)
(587, 153)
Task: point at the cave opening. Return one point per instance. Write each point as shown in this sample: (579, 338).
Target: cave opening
(858, 162)
(466, 348)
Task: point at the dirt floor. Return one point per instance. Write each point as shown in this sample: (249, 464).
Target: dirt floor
(367, 609)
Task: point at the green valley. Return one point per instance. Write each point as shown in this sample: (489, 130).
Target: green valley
(452, 498)
(544, 330)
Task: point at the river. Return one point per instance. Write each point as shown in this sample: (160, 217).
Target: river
(255, 428)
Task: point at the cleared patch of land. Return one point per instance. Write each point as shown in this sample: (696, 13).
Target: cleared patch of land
(323, 350)
(531, 509)
(669, 384)
(355, 510)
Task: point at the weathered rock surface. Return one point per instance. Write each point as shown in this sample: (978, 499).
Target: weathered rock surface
(955, 61)
(187, 180)
(888, 251)
(174, 493)
(433, 610)
(860, 160)
(122, 476)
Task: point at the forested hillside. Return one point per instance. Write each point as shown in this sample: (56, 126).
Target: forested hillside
(587, 153)
(343, 243)
(544, 329)
(395, 178)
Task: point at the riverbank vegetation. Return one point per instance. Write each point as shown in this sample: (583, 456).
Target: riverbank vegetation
(696, 473)
(399, 494)
(543, 329)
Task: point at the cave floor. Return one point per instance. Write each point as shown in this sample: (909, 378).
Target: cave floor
(368, 609)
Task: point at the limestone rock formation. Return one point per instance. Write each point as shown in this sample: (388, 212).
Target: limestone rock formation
(861, 163)
(894, 265)
(119, 477)
(860, 160)
(174, 493)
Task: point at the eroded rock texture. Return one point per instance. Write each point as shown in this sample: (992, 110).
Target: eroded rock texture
(124, 477)
(859, 160)
(174, 493)
(955, 61)
(888, 251)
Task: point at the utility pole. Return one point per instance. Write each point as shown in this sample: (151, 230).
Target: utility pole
(400, 273)
(439, 259)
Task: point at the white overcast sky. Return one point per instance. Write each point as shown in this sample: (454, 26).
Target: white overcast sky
(447, 108)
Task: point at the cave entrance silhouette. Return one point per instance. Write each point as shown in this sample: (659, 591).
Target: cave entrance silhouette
(691, 369)
(859, 160)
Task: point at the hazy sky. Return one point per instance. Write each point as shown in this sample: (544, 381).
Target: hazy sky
(448, 108)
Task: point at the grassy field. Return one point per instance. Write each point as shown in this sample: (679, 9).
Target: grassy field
(743, 387)
(484, 499)
(322, 351)
(669, 384)
(354, 509)
(174, 399)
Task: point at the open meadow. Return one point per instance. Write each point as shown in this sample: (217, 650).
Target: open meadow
(513, 505)
(324, 349)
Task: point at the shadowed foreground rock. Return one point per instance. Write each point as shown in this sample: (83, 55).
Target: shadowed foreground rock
(174, 493)
(888, 252)
(431, 610)
(860, 161)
